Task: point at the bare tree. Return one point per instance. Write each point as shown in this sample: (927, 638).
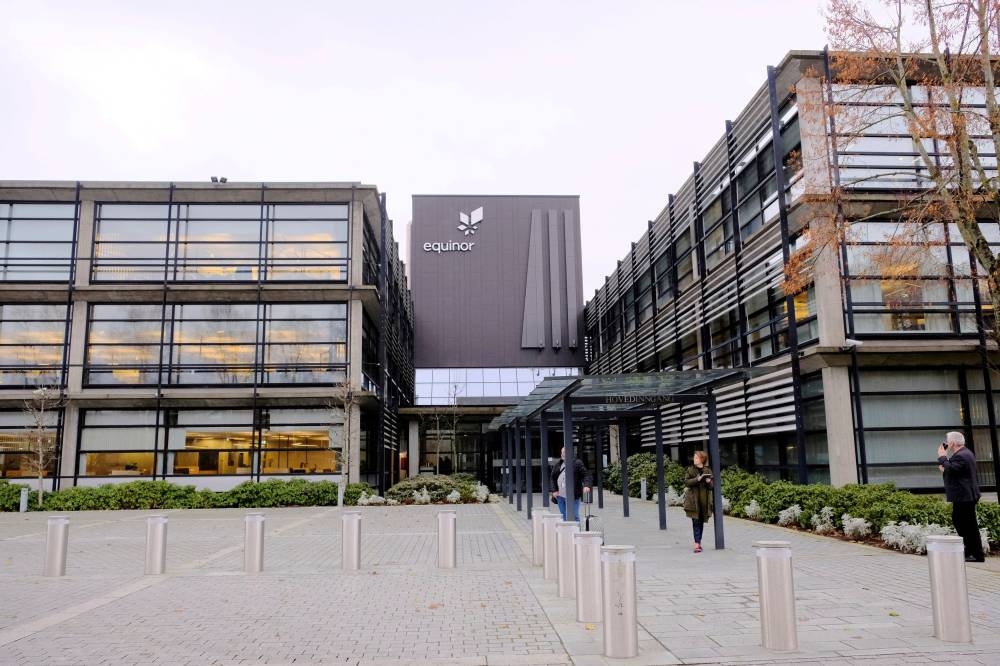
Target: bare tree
(926, 71)
(345, 396)
(42, 410)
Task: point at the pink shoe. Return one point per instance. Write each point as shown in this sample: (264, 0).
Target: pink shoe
(697, 548)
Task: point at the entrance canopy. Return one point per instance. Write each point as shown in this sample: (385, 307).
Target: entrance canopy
(616, 396)
(594, 400)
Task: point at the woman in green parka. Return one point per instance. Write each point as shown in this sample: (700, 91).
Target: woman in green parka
(698, 499)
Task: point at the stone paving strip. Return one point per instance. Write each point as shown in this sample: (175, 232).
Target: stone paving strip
(856, 604)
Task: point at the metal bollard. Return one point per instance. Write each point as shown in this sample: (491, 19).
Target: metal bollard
(56, 542)
(156, 545)
(350, 537)
(566, 576)
(949, 589)
(550, 560)
(621, 622)
(777, 595)
(642, 489)
(537, 538)
(253, 543)
(23, 506)
(587, 562)
(447, 546)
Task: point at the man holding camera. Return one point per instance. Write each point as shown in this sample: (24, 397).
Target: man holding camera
(961, 488)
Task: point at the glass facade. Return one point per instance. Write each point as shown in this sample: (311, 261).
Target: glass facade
(909, 279)
(715, 258)
(32, 344)
(220, 242)
(444, 386)
(16, 457)
(186, 442)
(907, 411)
(36, 240)
(216, 343)
(200, 330)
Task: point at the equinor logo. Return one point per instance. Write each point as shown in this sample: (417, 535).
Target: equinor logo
(468, 224)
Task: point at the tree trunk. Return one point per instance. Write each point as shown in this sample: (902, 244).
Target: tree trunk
(993, 282)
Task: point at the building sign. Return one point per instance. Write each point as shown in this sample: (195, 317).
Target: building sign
(468, 224)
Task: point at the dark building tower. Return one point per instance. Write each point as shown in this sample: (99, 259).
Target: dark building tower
(498, 306)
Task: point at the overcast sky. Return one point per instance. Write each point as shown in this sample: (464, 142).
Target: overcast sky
(610, 100)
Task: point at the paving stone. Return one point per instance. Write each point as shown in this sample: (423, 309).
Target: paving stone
(855, 604)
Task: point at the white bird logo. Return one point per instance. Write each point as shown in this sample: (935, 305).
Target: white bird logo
(469, 224)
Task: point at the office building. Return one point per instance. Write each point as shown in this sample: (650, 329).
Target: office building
(868, 368)
(209, 333)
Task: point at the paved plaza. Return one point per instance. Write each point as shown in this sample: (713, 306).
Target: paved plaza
(856, 604)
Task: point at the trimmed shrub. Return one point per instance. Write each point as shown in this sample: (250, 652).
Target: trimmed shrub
(137, 495)
(643, 466)
(437, 487)
(10, 496)
(278, 492)
(464, 477)
(353, 493)
(989, 520)
(467, 492)
(147, 495)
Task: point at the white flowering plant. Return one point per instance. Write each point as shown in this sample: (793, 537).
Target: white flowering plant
(855, 528)
(790, 516)
(421, 496)
(822, 521)
(911, 538)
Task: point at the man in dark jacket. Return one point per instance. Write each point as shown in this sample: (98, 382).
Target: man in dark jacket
(961, 488)
(581, 484)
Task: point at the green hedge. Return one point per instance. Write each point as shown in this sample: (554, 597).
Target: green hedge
(643, 466)
(438, 487)
(166, 495)
(879, 504)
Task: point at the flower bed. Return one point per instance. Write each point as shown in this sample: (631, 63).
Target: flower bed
(896, 518)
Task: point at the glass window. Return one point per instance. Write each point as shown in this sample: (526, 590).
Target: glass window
(36, 242)
(32, 343)
(221, 242)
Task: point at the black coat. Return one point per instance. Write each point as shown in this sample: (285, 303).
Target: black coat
(960, 480)
(581, 478)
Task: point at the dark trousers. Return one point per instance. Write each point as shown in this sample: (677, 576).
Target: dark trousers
(963, 517)
(699, 527)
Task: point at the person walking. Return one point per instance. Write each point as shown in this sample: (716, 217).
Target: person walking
(961, 488)
(698, 500)
(581, 484)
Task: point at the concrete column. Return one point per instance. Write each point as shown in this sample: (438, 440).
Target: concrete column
(414, 447)
(67, 460)
(84, 250)
(839, 426)
(356, 271)
(355, 459)
(77, 347)
(354, 344)
(613, 439)
(812, 129)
